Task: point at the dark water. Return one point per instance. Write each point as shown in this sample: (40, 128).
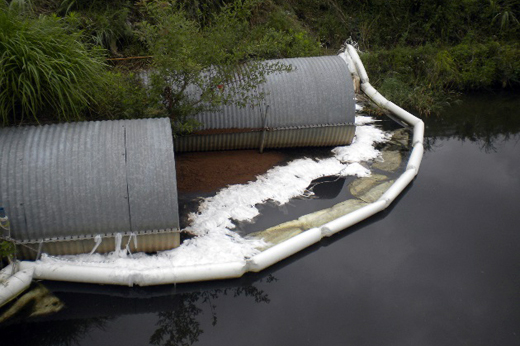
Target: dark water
(324, 193)
(441, 266)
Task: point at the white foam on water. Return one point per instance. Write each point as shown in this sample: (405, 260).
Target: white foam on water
(363, 119)
(215, 241)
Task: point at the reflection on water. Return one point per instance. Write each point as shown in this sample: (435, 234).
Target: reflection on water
(479, 119)
(35, 301)
(91, 307)
(182, 327)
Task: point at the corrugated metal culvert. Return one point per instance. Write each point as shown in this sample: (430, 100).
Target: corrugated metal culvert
(62, 185)
(313, 105)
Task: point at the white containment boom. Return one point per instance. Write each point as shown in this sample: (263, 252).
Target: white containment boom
(13, 282)
(167, 275)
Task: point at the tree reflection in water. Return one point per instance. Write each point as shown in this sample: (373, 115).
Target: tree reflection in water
(181, 326)
(479, 119)
(90, 308)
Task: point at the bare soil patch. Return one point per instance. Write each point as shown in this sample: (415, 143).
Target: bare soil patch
(213, 170)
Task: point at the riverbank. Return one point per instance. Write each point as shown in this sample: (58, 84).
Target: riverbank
(420, 54)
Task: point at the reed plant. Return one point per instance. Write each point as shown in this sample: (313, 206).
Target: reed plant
(46, 72)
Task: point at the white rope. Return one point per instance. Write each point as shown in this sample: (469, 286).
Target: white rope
(98, 241)
(134, 236)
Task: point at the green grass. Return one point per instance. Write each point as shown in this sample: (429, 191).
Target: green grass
(45, 69)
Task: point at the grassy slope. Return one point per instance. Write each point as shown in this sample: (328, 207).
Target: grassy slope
(418, 53)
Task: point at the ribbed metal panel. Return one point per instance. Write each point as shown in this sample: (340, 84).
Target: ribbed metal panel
(311, 136)
(279, 138)
(318, 91)
(146, 242)
(151, 175)
(77, 180)
(223, 141)
(233, 116)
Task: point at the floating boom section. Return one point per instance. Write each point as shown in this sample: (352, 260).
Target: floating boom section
(312, 105)
(67, 187)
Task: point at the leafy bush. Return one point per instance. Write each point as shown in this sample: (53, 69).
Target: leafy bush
(421, 98)
(46, 72)
(294, 38)
(198, 68)
(485, 65)
(124, 96)
(108, 28)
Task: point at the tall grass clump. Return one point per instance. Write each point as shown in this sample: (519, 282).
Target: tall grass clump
(46, 72)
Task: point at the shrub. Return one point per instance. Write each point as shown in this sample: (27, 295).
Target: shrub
(124, 96)
(198, 68)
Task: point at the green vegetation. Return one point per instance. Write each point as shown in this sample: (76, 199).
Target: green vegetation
(45, 68)
(199, 67)
(427, 77)
(7, 246)
(421, 54)
(201, 54)
(378, 24)
(53, 68)
(7, 251)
